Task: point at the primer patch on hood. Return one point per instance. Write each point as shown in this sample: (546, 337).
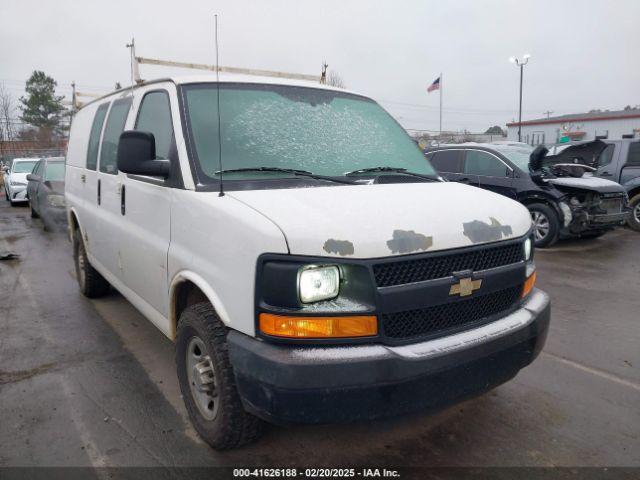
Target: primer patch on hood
(341, 247)
(407, 241)
(480, 232)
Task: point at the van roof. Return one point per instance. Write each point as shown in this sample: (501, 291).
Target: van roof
(227, 78)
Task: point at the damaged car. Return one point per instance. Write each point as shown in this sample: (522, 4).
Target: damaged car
(563, 196)
(308, 263)
(45, 192)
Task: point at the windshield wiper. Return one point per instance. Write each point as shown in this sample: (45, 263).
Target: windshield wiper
(292, 171)
(401, 170)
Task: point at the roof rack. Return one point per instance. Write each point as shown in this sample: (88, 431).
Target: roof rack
(201, 66)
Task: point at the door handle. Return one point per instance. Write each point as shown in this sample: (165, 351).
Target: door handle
(122, 200)
(99, 191)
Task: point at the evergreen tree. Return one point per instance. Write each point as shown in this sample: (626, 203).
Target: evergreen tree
(42, 108)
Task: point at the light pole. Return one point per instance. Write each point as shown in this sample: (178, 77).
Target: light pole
(521, 64)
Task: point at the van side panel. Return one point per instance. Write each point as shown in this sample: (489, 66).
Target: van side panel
(220, 239)
(75, 176)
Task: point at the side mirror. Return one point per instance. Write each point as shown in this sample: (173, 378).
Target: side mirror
(137, 155)
(34, 178)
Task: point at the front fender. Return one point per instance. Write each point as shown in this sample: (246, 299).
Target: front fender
(209, 292)
(632, 185)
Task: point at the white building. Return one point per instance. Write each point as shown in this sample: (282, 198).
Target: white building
(581, 126)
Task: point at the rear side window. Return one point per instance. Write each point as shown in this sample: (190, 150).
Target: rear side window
(447, 161)
(155, 117)
(111, 138)
(483, 163)
(606, 156)
(634, 154)
(94, 138)
(54, 172)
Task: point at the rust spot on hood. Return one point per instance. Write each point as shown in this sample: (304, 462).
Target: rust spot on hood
(407, 241)
(341, 247)
(480, 232)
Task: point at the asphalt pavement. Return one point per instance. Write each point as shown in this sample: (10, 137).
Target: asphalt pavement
(93, 383)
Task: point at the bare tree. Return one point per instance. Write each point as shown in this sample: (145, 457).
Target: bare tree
(7, 110)
(335, 80)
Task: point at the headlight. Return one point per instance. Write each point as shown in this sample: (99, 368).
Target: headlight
(18, 184)
(56, 200)
(317, 283)
(527, 249)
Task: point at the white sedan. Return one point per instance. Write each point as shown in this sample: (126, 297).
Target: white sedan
(15, 180)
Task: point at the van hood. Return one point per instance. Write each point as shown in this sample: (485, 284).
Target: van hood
(381, 220)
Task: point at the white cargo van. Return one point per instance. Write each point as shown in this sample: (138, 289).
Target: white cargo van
(306, 259)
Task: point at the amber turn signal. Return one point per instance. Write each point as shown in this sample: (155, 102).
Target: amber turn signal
(318, 327)
(529, 284)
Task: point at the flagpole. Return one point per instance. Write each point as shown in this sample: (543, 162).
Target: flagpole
(441, 86)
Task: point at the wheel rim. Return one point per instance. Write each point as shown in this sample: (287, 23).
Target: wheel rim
(541, 225)
(202, 379)
(636, 213)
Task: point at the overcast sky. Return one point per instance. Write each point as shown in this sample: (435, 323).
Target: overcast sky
(585, 54)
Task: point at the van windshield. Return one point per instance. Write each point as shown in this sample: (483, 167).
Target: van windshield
(320, 131)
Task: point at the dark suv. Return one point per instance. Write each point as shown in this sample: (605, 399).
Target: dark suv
(562, 204)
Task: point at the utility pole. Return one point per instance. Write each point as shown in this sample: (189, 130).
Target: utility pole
(521, 64)
(548, 113)
(73, 97)
(441, 87)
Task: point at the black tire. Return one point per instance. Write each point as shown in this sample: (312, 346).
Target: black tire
(33, 212)
(91, 283)
(230, 426)
(634, 219)
(552, 220)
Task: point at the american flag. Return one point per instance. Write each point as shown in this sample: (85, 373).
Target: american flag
(434, 86)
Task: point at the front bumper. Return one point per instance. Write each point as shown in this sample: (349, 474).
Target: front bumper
(611, 219)
(313, 384)
(585, 222)
(18, 194)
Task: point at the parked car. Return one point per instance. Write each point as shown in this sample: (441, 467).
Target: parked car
(15, 181)
(296, 292)
(45, 192)
(619, 161)
(561, 205)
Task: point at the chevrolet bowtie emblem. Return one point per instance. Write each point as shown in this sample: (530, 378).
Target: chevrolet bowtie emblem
(465, 288)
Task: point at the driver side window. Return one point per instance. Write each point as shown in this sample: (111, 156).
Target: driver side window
(155, 117)
(482, 163)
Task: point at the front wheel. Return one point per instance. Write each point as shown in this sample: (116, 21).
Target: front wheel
(634, 219)
(207, 381)
(546, 225)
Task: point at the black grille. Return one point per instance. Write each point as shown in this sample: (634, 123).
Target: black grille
(440, 266)
(446, 317)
